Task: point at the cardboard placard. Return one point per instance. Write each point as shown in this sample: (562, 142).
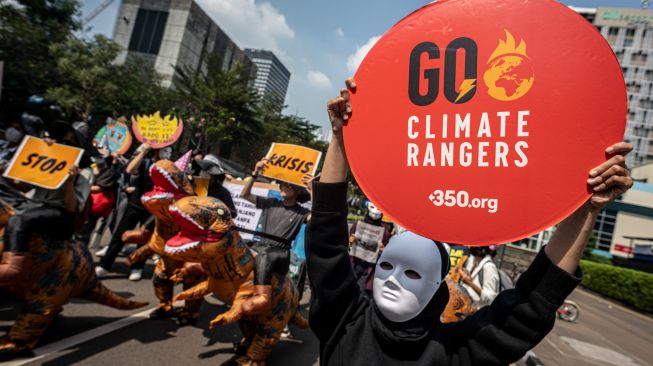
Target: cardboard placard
(477, 121)
(157, 131)
(37, 163)
(366, 244)
(116, 135)
(289, 163)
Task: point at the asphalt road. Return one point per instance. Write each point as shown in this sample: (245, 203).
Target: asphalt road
(606, 334)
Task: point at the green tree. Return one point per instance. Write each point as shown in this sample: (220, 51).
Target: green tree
(85, 74)
(218, 103)
(139, 90)
(27, 30)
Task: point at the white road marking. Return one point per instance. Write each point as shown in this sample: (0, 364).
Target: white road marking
(598, 353)
(72, 341)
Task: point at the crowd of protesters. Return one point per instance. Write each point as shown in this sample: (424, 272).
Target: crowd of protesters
(353, 294)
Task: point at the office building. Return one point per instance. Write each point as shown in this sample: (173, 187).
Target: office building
(272, 76)
(630, 33)
(170, 33)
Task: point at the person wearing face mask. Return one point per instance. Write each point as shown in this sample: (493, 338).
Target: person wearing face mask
(54, 213)
(13, 136)
(137, 172)
(281, 221)
(211, 168)
(363, 255)
(400, 324)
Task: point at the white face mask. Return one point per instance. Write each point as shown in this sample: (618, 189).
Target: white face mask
(13, 135)
(407, 276)
(165, 153)
(373, 212)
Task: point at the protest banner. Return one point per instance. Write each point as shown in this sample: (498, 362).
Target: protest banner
(476, 122)
(248, 215)
(366, 244)
(37, 163)
(116, 136)
(289, 163)
(157, 131)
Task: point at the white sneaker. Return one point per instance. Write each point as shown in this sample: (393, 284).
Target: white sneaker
(286, 332)
(102, 252)
(101, 272)
(136, 275)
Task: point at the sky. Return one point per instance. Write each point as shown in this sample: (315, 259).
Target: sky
(320, 42)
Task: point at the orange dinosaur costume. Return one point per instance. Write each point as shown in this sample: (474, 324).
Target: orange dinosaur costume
(170, 184)
(207, 236)
(55, 272)
(460, 305)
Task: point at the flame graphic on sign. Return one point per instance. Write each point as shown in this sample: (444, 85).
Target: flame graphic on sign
(509, 46)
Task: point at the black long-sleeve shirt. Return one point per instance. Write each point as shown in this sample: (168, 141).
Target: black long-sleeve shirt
(350, 329)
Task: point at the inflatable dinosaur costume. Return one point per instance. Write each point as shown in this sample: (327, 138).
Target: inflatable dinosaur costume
(55, 272)
(208, 237)
(460, 305)
(170, 184)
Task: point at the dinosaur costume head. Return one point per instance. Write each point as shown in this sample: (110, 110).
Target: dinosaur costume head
(170, 184)
(203, 221)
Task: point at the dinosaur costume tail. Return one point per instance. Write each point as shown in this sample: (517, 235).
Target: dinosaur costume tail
(104, 296)
(299, 321)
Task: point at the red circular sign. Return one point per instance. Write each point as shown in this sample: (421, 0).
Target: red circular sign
(477, 121)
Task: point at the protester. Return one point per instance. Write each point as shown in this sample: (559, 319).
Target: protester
(55, 213)
(137, 170)
(481, 276)
(400, 324)
(211, 168)
(13, 136)
(103, 195)
(281, 221)
(365, 262)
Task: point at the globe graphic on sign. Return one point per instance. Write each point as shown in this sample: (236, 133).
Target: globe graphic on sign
(509, 77)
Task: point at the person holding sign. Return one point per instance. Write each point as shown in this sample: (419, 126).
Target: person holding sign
(280, 224)
(367, 239)
(400, 323)
(54, 213)
(139, 182)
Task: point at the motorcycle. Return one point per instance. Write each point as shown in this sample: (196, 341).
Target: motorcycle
(568, 311)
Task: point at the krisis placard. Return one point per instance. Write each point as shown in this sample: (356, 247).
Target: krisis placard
(477, 121)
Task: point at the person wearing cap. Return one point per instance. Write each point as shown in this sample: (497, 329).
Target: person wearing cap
(137, 174)
(480, 276)
(211, 168)
(400, 323)
(281, 221)
(54, 213)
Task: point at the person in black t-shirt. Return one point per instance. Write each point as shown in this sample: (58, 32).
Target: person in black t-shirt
(281, 222)
(139, 183)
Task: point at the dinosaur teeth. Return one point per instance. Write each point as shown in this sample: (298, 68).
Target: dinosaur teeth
(181, 248)
(186, 217)
(164, 195)
(166, 176)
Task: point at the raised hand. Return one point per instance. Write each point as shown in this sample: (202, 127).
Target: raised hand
(339, 108)
(612, 178)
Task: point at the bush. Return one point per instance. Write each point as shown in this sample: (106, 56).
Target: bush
(631, 287)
